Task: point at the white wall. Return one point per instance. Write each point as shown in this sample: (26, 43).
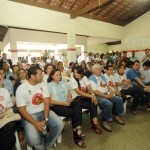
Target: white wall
(138, 28)
(98, 48)
(117, 47)
(37, 36)
(137, 33)
(95, 28)
(6, 40)
(1, 45)
(21, 15)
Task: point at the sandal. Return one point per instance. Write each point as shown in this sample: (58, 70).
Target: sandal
(79, 132)
(135, 113)
(78, 139)
(21, 136)
(96, 128)
(80, 143)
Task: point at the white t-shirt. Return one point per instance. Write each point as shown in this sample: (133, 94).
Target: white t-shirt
(5, 100)
(119, 79)
(110, 81)
(147, 75)
(32, 96)
(97, 59)
(84, 82)
(101, 85)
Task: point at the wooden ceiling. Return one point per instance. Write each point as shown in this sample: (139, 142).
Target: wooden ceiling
(119, 12)
(3, 31)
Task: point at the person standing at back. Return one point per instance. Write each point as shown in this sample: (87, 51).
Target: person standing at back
(147, 55)
(5, 60)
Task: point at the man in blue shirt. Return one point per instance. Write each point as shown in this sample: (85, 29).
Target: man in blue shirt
(136, 77)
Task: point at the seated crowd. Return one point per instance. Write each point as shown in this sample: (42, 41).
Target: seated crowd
(41, 94)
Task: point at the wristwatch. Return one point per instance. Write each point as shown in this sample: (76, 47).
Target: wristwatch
(46, 119)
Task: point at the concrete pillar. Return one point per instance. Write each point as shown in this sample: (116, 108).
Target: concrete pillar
(83, 52)
(29, 56)
(56, 55)
(14, 51)
(71, 42)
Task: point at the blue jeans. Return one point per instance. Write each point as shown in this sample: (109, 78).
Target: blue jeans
(35, 138)
(114, 104)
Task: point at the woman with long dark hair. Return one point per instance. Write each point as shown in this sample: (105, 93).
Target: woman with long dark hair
(47, 70)
(63, 104)
(21, 78)
(80, 87)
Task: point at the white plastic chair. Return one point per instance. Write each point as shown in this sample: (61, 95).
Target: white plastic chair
(125, 107)
(29, 147)
(59, 140)
(125, 103)
(18, 147)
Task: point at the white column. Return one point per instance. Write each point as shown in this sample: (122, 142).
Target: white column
(29, 56)
(71, 42)
(14, 51)
(84, 49)
(56, 55)
(83, 53)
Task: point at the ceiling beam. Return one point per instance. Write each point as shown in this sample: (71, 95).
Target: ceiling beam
(88, 8)
(41, 5)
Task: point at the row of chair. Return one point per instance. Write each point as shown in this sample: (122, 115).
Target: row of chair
(59, 140)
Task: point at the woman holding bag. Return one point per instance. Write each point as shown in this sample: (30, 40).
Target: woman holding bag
(7, 119)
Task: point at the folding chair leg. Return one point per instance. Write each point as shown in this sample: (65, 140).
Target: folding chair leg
(59, 140)
(29, 147)
(18, 147)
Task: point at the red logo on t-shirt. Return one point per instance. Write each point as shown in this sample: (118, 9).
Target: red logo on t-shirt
(82, 89)
(1, 106)
(37, 99)
(123, 80)
(110, 83)
(1, 98)
(102, 85)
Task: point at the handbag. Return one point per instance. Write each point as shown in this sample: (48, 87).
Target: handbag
(9, 117)
(126, 86)
(147, 89)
